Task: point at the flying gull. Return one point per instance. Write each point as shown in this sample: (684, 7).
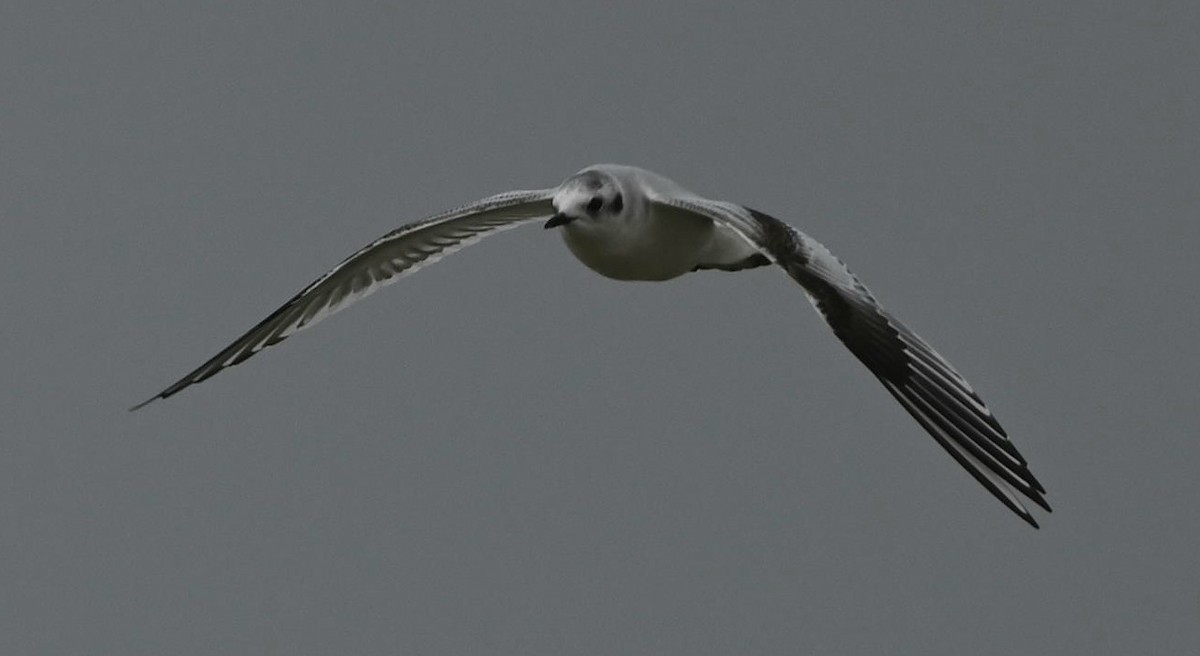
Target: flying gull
(628, 223)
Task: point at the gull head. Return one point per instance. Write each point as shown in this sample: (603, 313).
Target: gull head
(589, 197)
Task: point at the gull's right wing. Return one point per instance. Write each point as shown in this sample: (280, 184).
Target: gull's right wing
(380, 263)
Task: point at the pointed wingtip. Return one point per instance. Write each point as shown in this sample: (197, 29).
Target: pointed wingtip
(1024, 513)
(145, 403)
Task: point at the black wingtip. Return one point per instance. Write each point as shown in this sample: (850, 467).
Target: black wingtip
(146, 402)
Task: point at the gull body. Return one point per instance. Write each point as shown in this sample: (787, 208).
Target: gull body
(631, 237)
(628, 223)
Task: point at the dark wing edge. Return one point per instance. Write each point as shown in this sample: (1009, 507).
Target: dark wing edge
(925, 383)
(382, 262)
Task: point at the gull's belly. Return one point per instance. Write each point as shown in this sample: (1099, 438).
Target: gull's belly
(647, 251)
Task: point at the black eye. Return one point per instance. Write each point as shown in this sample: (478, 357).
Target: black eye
(595, 204)
(618, 203)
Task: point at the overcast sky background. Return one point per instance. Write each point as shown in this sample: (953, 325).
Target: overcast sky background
(507, 453)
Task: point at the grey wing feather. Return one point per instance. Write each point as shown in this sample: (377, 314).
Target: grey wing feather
(924, 383)
(380, 263)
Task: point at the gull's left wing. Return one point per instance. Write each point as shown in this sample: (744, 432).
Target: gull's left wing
(922, 381)
(379, 263)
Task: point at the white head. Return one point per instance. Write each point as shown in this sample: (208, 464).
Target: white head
(592, 196)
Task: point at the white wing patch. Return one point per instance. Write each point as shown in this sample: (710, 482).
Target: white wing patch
(380, 263)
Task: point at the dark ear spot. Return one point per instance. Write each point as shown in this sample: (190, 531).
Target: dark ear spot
(617, 203)
(595, 204)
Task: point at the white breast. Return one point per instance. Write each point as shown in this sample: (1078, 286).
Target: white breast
(657, 246)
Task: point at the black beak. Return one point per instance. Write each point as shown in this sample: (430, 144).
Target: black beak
(558, 219)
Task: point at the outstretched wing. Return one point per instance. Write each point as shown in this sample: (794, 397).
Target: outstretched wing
(922, 381)
(380, 263)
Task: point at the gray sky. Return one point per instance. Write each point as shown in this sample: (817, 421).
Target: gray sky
(508, 454)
